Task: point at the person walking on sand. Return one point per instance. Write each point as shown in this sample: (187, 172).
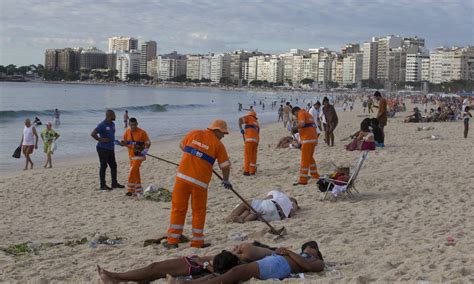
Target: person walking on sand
(382, 115)
(280, 113)
(49, 136)
(29, 141)
(466, 115)
(125, 119)
(331, 121)
(306, 128)
(138, 143)
(201, 148)
(104, 133)
(250, 130)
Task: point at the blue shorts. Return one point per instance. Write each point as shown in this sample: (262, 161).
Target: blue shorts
(273, 267)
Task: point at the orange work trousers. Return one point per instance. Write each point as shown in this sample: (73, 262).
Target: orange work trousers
(179, 206)
(134, 181)
(308, 164)
(250, 157)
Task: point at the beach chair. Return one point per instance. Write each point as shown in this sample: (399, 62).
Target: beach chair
(348, 188)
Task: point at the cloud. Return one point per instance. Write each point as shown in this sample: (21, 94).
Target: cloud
(200, 26)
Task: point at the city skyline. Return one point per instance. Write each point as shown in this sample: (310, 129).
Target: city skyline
(223, 26)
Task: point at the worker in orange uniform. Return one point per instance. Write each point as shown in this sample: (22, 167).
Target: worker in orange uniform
(309, 139)
(250, 129)
(138, 143)
(200, 150)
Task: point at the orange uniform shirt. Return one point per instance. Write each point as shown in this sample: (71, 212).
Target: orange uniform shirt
(201, 147)
(138, 138)
(251, 128)
(308, 130)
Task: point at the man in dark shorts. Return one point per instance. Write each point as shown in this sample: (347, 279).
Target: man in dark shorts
(381, 114)
(104, 133)
(331, 121)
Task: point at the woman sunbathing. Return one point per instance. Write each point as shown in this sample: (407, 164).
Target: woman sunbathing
(278, 265)
(362, 139)
(274, 207)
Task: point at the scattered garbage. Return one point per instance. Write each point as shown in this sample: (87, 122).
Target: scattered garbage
(237, 236)
(450, 241)
(155, 193)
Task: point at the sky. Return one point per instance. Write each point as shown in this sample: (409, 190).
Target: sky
(29, 27)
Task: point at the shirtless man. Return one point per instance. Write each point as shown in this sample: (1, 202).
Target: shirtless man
(331, 121)
(286, 114)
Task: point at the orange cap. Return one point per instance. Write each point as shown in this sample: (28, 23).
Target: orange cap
(252, 113)
(220, 125)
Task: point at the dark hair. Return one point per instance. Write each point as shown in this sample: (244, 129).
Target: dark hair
(133, 120)
(295, 110)
(377, 94)
(296, 202)
(364, 126)
(318, 103)
(467, 108)
(325, 100)
(312, 244)
(224, 261)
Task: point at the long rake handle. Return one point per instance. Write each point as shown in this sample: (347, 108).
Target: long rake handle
(273, 230)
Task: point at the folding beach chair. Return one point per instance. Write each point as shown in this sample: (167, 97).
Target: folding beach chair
(348, 188)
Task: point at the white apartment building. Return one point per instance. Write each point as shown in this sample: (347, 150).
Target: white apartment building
(205, 67)
(193, 64)
(425, 69)
(369, 68)
(220, 67)
(447, 64)
(287, 66)
(396, 64)
(152, 68)
(352, 68)
(252, 68)
(336, 69)
(307, 68)
(128, 63)
(170, 68)
(297, 70)
(385, 44)
(414, 65)
(121, 43)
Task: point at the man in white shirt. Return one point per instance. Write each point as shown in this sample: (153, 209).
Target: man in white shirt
(316, 112)
(274, 207)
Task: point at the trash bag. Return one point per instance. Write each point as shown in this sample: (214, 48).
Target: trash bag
(17, 153)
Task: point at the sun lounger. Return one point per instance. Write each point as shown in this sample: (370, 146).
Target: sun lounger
(342, 188)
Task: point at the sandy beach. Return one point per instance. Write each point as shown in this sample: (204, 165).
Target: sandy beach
(414, 194)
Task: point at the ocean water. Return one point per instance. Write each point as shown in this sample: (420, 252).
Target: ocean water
(162, 112)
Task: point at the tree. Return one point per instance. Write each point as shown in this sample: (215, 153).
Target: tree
(307, 81)
(332, 84)
(133, 77)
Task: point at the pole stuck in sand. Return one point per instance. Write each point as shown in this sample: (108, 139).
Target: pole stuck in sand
(274, 231)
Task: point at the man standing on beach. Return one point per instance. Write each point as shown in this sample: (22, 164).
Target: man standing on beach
(125, 119)
(29, 141)
(309, 139)
(315, 111)
(201, 148)
(286, 114)
(104, 133)
(331, 121)
(381, 114)
(57, 122)
(138, 143)
(250, 130)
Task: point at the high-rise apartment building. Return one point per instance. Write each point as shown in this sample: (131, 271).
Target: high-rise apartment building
(205, 67)
(220, 67)
(236, 60)
(416, 64)
(121, 43)
(350, 48)
(111, 61)
(147, 53)
(352, 68)
(69, 59)
(396, 64)
(369, 67)
(93, 58)
(128, 63)
(447, 64)
(51, 59)
(385, 45)
(152, 68)
(192, 67)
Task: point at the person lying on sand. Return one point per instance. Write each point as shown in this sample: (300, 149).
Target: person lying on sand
(191, 265)
(274, 207)
(279, 265)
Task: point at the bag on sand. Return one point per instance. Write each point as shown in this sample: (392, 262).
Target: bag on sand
(17, 153)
